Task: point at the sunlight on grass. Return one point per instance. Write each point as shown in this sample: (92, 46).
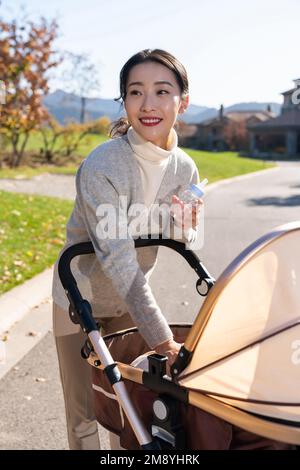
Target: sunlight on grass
(214, 166)
(217, 166)
(32, 231)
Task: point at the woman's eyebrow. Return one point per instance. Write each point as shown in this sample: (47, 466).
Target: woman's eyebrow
(160, 82)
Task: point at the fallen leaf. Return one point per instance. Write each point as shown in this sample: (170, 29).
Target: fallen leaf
(5, 338)
(33, 333)
(15, 212)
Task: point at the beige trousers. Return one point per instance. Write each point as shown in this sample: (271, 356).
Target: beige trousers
(75, 375)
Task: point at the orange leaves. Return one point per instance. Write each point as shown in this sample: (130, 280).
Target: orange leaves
(26, 55)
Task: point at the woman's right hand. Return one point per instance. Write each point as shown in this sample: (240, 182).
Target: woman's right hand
(170, 349)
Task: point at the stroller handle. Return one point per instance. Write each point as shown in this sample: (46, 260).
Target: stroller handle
(68, 281)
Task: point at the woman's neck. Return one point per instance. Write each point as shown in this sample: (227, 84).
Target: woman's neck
(147, 149)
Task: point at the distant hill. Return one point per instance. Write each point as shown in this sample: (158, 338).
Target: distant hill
(66, 106)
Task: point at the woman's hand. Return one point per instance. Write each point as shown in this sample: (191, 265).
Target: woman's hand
(170, 349)
(186, 213)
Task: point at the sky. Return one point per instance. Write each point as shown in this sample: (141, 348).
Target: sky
(234, 51)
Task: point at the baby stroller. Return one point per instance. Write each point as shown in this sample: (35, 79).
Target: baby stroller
(240, 360)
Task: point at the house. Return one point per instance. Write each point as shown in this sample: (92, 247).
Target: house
(279, 136)
(226, 131)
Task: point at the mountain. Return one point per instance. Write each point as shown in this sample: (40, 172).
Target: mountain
(66, 106)
(254, 106)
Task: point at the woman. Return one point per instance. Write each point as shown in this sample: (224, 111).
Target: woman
(123, 179)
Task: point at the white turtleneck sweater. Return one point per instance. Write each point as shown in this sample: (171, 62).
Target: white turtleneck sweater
(152, 160)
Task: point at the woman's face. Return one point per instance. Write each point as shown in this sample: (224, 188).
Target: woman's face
(152, 93)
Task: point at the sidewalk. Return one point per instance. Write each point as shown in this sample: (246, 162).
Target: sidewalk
(25, 317)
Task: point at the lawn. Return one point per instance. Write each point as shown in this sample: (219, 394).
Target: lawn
(32, 231)
(217, 166)
(214, 166)
(89, 142)
(70, 168)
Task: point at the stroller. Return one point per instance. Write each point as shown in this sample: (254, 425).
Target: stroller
(239, 363)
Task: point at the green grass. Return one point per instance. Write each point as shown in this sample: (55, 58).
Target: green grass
(214, 166)
(35, 142)
(32, 231)
(70, 168)
(217, 166)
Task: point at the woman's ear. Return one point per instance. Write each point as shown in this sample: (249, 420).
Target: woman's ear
(184, 104)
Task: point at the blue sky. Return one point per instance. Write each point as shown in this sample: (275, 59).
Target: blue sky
(233, 50)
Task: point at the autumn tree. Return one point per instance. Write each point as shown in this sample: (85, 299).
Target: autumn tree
(26, 56)
(51, 133)
(236, 135)
(72, 136)
(100, 125)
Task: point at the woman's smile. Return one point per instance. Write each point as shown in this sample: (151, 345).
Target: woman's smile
(150, 121)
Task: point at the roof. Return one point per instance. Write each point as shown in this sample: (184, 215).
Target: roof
(288, 92)
(287, 119)
(237, 116)
(245, 115)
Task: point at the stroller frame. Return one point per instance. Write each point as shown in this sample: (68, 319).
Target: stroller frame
(80, 312)
(99, 356)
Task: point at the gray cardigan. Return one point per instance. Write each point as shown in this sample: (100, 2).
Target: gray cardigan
(116, 280)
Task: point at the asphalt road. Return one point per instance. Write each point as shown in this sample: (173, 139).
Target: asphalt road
(32, 412)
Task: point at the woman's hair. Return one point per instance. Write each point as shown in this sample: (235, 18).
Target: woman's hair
(121, 126)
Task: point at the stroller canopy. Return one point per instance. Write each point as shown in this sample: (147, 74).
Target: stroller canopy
(246, 339)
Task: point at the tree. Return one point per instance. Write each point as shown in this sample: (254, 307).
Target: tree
(72, 136)
(81, 77)
(26, 56)
(65, 140)
(236, 135)
(51, 132)
(100, 126)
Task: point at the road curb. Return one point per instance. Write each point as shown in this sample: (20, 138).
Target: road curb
(17, 302)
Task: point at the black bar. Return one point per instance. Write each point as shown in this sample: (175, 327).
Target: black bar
(80, 309)
(86, 248)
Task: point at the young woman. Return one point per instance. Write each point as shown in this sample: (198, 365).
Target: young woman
(141, 167)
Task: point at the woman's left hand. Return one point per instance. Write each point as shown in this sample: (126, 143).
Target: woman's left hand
(187, 213)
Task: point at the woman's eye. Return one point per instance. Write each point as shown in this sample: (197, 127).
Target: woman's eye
(136, 92)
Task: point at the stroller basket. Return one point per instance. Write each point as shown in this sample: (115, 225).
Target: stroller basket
(237, 369)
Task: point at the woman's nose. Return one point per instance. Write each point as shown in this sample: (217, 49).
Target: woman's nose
(147, 104)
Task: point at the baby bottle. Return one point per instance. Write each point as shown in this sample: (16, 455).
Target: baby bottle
(193, 192)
